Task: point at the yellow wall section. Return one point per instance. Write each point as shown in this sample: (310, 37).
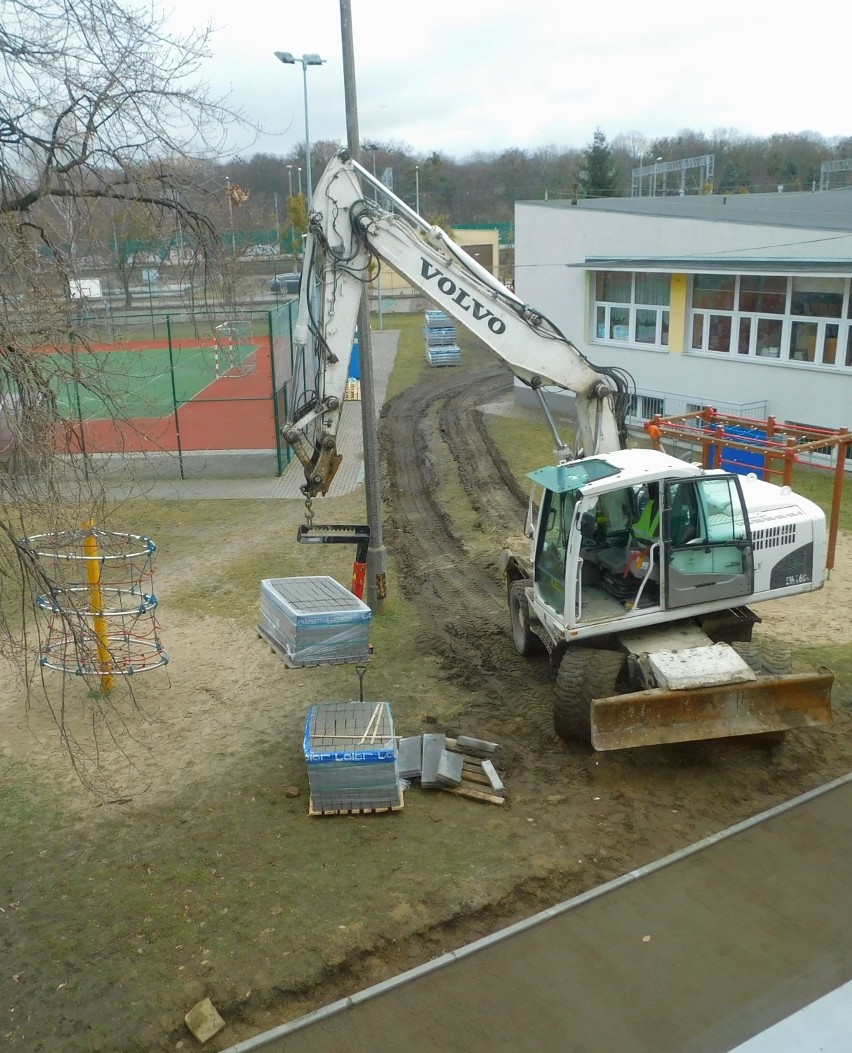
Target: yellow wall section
(677, 314)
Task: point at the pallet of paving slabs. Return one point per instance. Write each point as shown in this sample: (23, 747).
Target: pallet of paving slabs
(314, 620)
(352, 759)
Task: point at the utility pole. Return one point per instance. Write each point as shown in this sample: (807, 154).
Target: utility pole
(377, 556)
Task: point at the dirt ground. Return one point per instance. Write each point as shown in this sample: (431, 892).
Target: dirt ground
(195, 870)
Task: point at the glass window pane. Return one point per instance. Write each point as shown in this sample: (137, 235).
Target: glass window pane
(713, 291)
(767, 294)
(698, 330)
(600, 323)
(720, 333)
(646, 326)
(654, 288)
(613, 286)
(803, 337)
(769, 337)
(619, 323)
(664, 336)
(745, 336)
(829, 347)
(820, 297)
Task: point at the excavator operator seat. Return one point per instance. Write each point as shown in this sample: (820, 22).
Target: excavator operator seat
(646, 530)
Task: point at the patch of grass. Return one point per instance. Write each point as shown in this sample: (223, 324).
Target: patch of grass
(525, 444)
(411, 351)
(819, 487)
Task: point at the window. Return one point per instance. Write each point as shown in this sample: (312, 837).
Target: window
(822, 297)
(558, 512)
(762, 295)
(646, 407)
(712, 294)
(789, 319)
(711, 291)
(632, 307)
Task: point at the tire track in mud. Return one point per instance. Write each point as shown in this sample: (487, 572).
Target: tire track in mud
(433, 428)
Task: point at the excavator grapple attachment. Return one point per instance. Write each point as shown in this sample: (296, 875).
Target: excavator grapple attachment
(657, 716)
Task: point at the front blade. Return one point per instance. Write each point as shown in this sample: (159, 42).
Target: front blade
(654, 717)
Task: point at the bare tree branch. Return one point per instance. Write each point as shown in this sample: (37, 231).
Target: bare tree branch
(105, 125)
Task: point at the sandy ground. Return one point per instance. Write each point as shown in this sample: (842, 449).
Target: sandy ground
(194, 870)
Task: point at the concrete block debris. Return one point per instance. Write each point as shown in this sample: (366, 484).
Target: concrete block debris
(203, 1020)
(446, 766)
(433, 748)
(476, 747)
(410, 757)
(494, 779)
(450, 768)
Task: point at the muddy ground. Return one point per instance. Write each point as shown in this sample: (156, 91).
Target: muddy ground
(195, 871)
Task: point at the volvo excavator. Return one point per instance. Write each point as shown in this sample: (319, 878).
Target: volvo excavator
(639, 569)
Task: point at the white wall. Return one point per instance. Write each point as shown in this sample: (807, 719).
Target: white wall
(548, 239)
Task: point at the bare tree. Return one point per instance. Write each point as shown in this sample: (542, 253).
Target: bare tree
(102, 117)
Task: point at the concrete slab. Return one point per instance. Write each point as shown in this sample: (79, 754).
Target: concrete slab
(697, 953)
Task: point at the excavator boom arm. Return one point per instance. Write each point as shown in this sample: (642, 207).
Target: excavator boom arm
(348, 235)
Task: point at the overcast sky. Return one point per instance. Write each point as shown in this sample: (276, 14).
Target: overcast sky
(460, 76)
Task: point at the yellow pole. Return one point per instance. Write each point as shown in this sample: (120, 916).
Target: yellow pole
(99, 622)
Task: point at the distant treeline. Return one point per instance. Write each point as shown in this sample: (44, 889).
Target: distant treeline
(484, 187)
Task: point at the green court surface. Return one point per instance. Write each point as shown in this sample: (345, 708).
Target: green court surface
(145, 382)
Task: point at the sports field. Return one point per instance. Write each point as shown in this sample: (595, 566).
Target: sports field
(144, 381)
(209, 394)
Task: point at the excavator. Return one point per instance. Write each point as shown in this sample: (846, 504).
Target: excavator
(638, 569)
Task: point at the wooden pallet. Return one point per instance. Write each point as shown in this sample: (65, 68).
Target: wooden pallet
(355, 811)
(475, 783)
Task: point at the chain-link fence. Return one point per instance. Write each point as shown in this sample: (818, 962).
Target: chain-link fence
(180, 384)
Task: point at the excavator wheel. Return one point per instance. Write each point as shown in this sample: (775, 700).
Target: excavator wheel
(750, 654)
(765, 656)
(776, 659)
(770, 658)
(584, 673)
(525, 640)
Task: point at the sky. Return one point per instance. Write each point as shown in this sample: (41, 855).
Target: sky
(466, 76)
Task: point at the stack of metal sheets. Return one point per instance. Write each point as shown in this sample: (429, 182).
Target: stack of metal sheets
(352, 757)
(440, 334)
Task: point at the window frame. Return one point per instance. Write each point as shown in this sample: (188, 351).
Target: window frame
(750, 329)
(607, 316)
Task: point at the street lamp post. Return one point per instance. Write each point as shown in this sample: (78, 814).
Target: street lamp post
(654, 192)
(371, 149)
(306, 60)
(300, 179)
(417, 189)
(290, 210)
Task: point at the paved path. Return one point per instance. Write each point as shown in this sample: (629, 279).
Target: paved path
(350, 443)
(699, 953)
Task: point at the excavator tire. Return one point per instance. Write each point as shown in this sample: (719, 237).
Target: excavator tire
(776, 658)
(750, 654)
(584, 673)
(766, 656)
(525, 640)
